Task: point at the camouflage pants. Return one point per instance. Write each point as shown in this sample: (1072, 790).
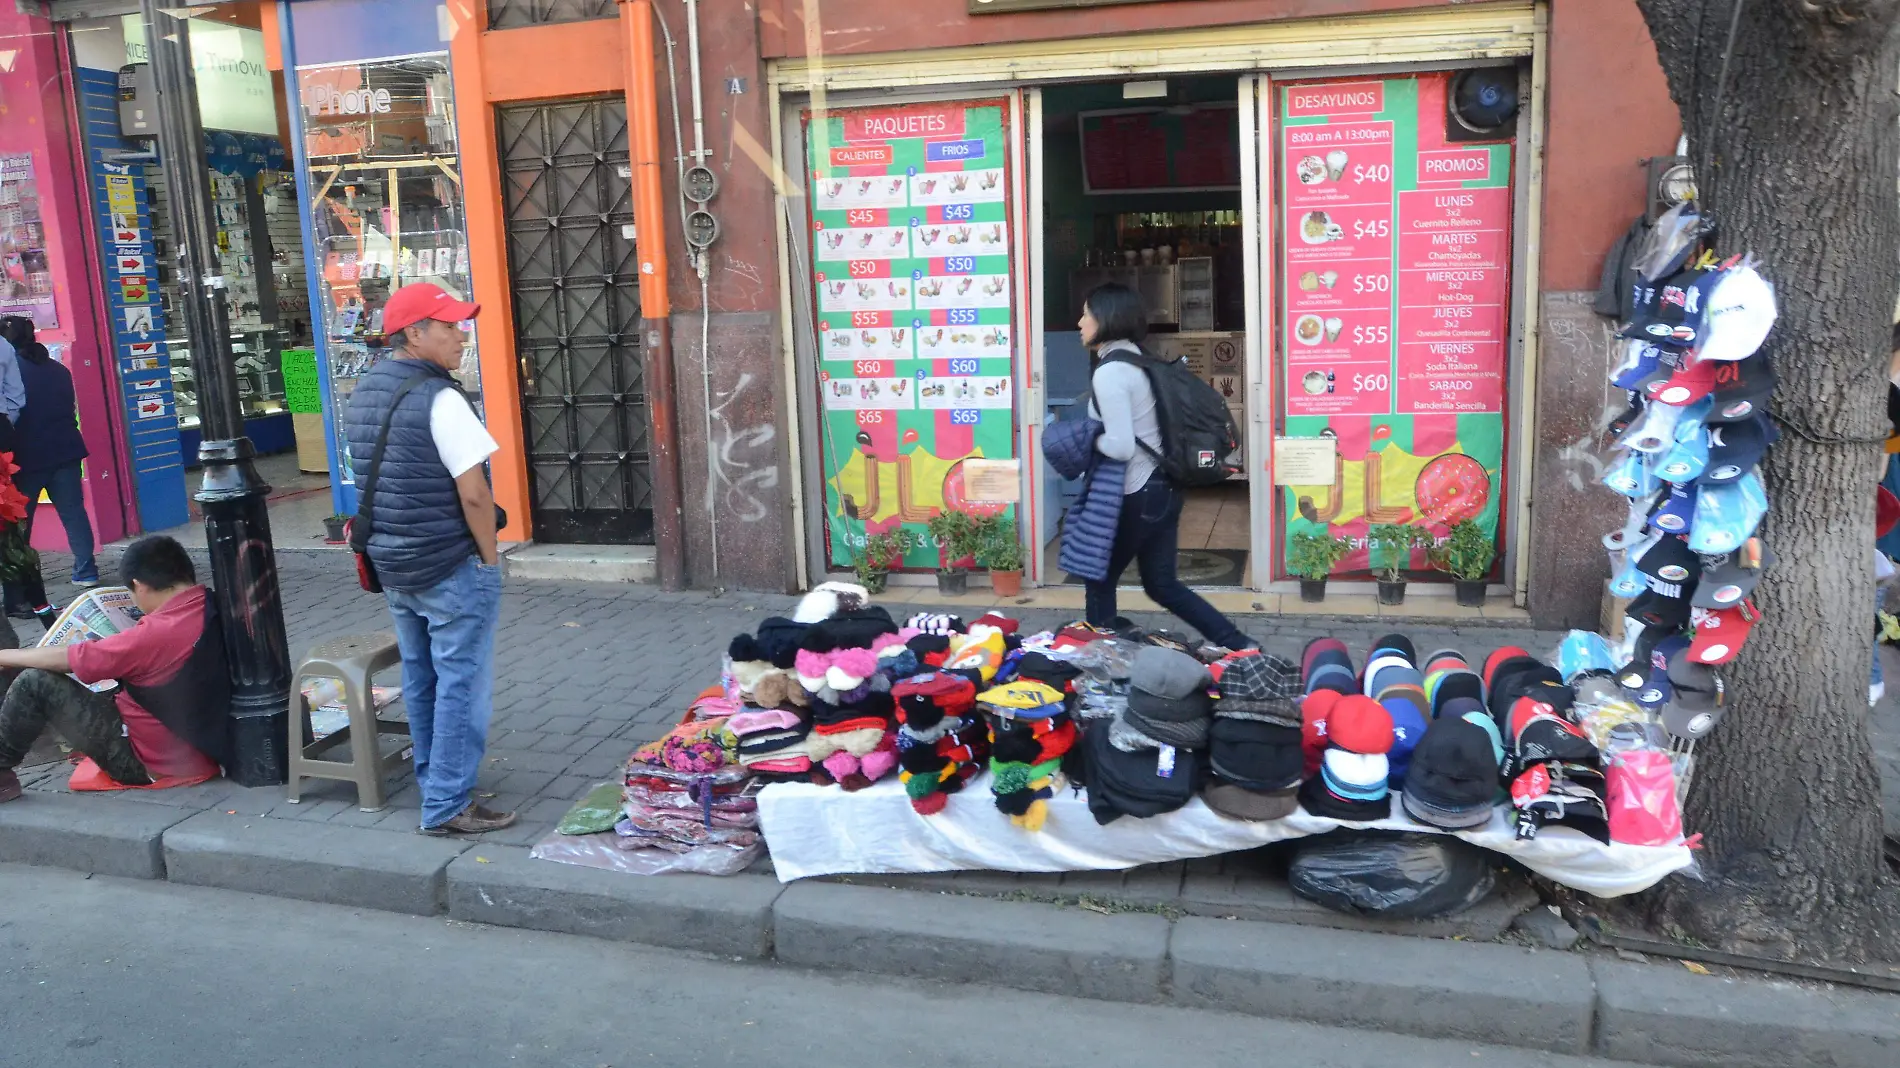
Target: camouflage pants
(89, 722)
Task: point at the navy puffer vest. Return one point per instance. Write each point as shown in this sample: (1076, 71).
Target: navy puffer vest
(418, 535)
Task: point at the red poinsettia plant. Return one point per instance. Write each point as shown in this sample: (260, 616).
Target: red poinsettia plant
(17, 558)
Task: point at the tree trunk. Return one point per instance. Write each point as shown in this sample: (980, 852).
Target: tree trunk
(1797, 162)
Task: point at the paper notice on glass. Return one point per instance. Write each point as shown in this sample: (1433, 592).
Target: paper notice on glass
(97, 613)
(992, 481)
(1304, 461)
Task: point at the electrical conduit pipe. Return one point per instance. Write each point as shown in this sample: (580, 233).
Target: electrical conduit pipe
(643, 142)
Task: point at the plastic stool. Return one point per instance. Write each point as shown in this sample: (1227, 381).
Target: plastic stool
(353, 661)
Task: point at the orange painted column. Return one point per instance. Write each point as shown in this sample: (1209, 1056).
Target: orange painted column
(488, 262)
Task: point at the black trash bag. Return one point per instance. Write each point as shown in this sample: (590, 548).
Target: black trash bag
(1394, 875)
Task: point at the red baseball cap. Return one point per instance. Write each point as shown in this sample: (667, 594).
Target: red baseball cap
(1688, 385)
(424, 300)
(1719, 633)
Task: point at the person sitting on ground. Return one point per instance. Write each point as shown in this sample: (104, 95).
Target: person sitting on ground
(169, 717)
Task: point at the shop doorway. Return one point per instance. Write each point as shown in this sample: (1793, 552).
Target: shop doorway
(1142, 186)
(568, 207)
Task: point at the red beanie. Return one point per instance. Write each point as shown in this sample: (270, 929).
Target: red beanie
(1313, 711)
(1359, 724)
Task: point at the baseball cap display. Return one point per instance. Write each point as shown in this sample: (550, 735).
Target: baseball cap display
(425, 300)
(1670, 312)
(1655, 431)
(1727, 513)
(1735, 448)
(1669, 568)
(1676, 509)
(1737, 315)
(1689, 456)
(1632, 477)
(1690, 383)
(1642, 365)
(1742, 388)
(1720, 632)
(1729, 578)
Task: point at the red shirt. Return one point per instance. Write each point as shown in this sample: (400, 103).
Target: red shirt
(150, 654)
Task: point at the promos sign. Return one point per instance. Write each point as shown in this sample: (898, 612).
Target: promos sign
(914, 292)
(1395, 292)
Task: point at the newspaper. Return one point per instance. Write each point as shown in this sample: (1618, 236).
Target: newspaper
(98, 613)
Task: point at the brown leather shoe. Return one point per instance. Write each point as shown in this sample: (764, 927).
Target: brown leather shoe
(472, 820)
(9, 786)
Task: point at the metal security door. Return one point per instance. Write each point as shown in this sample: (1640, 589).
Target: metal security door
(569, 210)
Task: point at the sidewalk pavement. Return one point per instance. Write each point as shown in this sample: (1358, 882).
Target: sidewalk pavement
(586, 672)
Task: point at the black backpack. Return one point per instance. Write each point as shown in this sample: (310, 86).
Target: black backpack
(1200, 445)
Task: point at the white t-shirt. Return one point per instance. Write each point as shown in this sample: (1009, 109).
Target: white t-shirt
(460, 438)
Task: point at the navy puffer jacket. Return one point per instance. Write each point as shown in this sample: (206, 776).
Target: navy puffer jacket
(418, 534)
(1088, 529)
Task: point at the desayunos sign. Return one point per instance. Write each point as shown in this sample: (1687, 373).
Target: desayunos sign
(234, 88)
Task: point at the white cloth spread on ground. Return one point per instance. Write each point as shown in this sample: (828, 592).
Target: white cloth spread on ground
(823, 830)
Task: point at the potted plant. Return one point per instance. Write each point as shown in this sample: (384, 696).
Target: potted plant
(957, 533)
(1466, 556)
(1002, 553)
(881, 553)
(1311, 557)
(333, 528)
(1389, 548)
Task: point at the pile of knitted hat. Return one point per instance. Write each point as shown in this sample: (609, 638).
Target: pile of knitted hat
(1453, 781)
(1254, 746)
(941, 743)
(1347, 736)
(853, 717)
(1031, 730)
(1148, 760)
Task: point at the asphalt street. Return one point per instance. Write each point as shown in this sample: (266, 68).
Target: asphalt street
(97, 973)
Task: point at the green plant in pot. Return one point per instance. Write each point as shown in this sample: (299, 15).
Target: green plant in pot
(1311, 557)
(1466, 556)
(1389, 548)
(959, 535)
(333, 528)
(1002, 553)
(882, 553)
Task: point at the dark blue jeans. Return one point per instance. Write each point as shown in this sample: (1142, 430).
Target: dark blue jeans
(67, 490)
(1149, 534)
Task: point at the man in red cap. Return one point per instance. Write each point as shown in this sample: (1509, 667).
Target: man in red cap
(418, 452)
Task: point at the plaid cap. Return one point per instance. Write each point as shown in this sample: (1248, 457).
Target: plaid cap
(1262, 687)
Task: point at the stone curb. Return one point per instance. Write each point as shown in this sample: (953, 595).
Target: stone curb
(973, 940)
(729, 916)
(358, 866)
(1419, 986)
(89, 834)
(1648, 1014)
(1505, 995)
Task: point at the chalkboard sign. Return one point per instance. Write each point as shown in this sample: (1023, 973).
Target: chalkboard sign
(303, 392)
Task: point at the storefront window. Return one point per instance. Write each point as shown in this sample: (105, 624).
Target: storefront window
(386, 204)
(506, 14)
(26, 284)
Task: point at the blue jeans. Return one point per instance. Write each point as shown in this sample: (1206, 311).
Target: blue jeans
(64, 485)
(447, 635)
(1148, 534)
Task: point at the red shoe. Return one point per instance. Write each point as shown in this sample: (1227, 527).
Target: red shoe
(9, 786)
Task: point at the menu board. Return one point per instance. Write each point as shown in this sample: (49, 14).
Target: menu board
(1134, 150)
(914, 294)
(1395, 287)
(26, 280)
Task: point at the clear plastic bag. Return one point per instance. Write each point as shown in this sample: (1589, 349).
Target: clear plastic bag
(1391, 874)
(603, 851)
(1107, 659)
(598, 810)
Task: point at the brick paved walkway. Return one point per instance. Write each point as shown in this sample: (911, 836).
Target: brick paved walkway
(585, 672)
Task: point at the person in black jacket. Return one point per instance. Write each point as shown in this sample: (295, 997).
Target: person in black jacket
(26, 590)
(48, 447)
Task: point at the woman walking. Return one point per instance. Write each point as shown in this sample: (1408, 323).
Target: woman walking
(1114, 320)
(48, 449)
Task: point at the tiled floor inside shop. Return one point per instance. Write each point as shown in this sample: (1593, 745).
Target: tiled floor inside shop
(299, 502)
